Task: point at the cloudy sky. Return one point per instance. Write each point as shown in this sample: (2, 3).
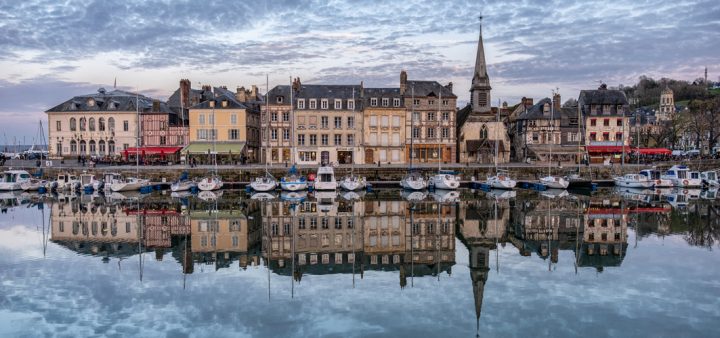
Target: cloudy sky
(53, 50)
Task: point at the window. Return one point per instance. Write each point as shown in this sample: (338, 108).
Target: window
(445, 102)
(324, 139)
(396, 121)
(431, 102)
(111, 147)
(416, 116)
(373, 139)
(385, 121)
(445, 132)
(416, 102)
(351, 122)
(384, 139)
(273, 134)
(618, 136)
(301, 103)
(416, 132)
(286, 134)
(619, 122)
(373, 121)
(351, 140)
(163, 140)
(324, 122)
(396, 139)
(593, 122)
(91, 124)
(385, 101)
(338, 139)
(308, 156)
(274, 117)
(338, 104)
(201, 119)
(313, 140)
(445, 116)
(430, 132)
(483, 132)
(233, 134)
(313, 104)
(83, 124)
(431, 116)
(101, 147)
(58, 125)
(396, 102)
(111, 124)
(73, 146)
(351, 105)
(535, 137)
(593, 136)
(73, 124)
(233, 119)
(606, 137)
(324, 104)
(373, 101)
(126, 125)
(286, 116)
(606, 122)
(338, 122)
(301, 139)
(101, 124)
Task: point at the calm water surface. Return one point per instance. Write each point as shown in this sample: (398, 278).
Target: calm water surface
(523, 264)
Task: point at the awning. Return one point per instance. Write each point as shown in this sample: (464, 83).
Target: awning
(222, 148)
(652, 151)
(152, 150)
(607, 149)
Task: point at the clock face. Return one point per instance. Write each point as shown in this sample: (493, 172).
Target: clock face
(91, 103)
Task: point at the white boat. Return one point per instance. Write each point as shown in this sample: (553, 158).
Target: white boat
(446, 196)
(34, 184)
(446, 180)
(325, 179)
(105, 182)
(207, 195)
(352, 183)
(87, 181)
(262, 196)
(183, 185)
(293, 181)
(12, 179)
(634, 181)
(264, 183)
(682, 177)
(353, 195)
(210, 183)
(502, 194)
(554, 182)
(710, 178)
(501, 180)
(555, 193)
(128, 184)
(656, 176)
(413, 180)
(413, 196)
(67, 182)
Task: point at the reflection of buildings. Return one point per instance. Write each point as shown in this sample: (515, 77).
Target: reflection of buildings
(604, 235)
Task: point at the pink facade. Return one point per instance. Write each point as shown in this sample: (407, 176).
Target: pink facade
(157, 131)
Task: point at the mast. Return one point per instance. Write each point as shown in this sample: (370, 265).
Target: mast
(267, 111)
(214, 132)
(293, 149)
(551, 136)
(137, 135)
(412, 126)
(497, 140)
(352, 161)
(438, 131)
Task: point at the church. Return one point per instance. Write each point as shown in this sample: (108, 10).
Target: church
(481, 128)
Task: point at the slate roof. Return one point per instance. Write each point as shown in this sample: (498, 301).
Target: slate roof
(428, 88)
(536, 111)
(328, 92)
(222, 94)
(283, 91)
(462, 115)
(195, 94)
(602, 97)
(103, 101)
(380, 93)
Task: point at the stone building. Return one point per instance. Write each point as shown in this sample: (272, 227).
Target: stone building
(277, 118)
(480, 129)
(606, 119)
(384, 116)
(667, 105)
(99, 124)
(430, 120)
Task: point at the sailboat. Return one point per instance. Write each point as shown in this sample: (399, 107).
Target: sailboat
(501, 179)
(132, 183)
(413, 180)
(34, 184)
(352, 182)
(444, 179)
(550, 181)
(184, 183)
(267, 182)
(212, 182)
(293, 181)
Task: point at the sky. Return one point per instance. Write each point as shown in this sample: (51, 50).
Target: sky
(51, 51)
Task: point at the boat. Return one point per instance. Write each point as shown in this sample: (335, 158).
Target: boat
(294, 196)
(87, 182)
(12, 179)
(445, 179)
(656, 176)
(34, 184)
(213, 182)
(264, 183)
(681, 176)
(325, 179)
(293, 181)
(710, 178)
(413, 180)
(575, 180)
(108, 178)
(501, 180)
(66, 182)
(634, 181)
(128, 184)
(446, 196)
(184, 183)
(352, 183)
(554, 182)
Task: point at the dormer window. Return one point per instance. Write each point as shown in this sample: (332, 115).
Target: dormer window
(385, 101)
(301, 103)
(350, 104)
(224, 103)
(324, 104)
(279, 99)
(338, 104)
(373, 101)
(313, 104)
(91, 102)
(396, 102)
(546, 108)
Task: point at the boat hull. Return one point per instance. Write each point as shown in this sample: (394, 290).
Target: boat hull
(5, 186)
(634, 184)
(210, 185)
(183, 186)
(554, 182)
(444, 182)
(293, 186)
(352, 185)
(413, 184)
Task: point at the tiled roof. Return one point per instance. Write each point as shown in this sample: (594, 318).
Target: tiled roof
(116, 100)
(428, 88)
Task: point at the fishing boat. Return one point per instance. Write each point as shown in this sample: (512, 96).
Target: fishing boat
(212, 182)
(710, 178)
(184, 183)
(634, 181)
(325, 179)
(656, 176)
(12, 179)
(293, 181)
(413, 180)
(87, 182)
(681, 176)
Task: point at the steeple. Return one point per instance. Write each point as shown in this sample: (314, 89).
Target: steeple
(480, 90)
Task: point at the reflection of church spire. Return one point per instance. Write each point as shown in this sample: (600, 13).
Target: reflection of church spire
(479, 268)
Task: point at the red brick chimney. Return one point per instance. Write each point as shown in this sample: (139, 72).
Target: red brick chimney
(556, 101)
(185, 93)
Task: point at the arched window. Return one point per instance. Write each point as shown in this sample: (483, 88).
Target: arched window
(101, 124)
(91, 124)
(83, 147)
(73, 124)
(73, 147)
(101, 147)
(93, 149)
(111, 146)
(111, 124)
(83, 124)
(483, 132)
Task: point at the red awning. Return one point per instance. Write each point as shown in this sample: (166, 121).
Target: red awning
(607, 149)
(153, 150)
(652, 151)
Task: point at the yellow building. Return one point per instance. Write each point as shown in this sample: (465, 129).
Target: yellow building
(384, 125)
(227, 126)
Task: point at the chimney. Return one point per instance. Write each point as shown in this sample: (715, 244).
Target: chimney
(556, 102)
(254, 93)
(527, 102)
(185, 93)
(241, 94)
(296, 84)
(156, 106)
(403, 82)
(449, 86)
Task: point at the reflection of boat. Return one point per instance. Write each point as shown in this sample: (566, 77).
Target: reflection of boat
(656, 176)
(502, 193)
(636, 194)
(180, 194)
(554, 182)
(325, 179)
(353, 195)
(326, 200)
(127, 195)
(555, 193)
(262, 196)
(710, 178)
(207, 195)
(294, 196)
(353, 182)
(66, 182)
(446, 196)
(413, 196)
(709, 194)
(128, 184)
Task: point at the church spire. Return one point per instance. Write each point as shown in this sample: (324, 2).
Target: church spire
(480, 67)
(480, 90)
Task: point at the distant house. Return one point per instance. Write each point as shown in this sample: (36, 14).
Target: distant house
(606, 114)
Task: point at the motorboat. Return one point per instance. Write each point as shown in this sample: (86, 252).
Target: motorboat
(445, 179)
(128, 184)
(634, 181)
(294, 196)
(183, 184)
(501, 180)
(554, 182)
(575, 180)
(325, 179)
(87, 182)
(710, 178)
(682, 177)
(656, 176)
(413, 180)
(12, 179)
(210, 183)
(413, 196)
(293, 181)
(353, 195)
(67, 182)
(264, 183)
(446, 196)
(353, 182)
(34, 184)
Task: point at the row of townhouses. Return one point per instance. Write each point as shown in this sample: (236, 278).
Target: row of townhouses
(301, 123)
